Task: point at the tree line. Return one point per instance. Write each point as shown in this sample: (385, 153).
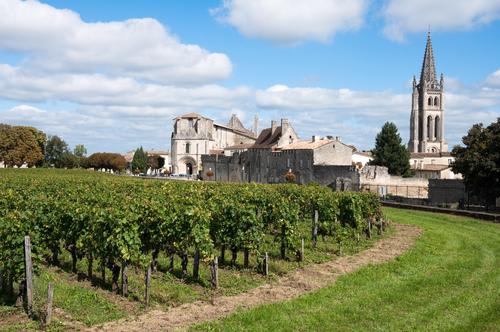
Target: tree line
(25, 145)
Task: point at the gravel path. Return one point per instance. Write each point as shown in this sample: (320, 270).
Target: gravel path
(299, 282)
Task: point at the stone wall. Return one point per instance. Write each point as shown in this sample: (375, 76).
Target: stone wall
(446, 192)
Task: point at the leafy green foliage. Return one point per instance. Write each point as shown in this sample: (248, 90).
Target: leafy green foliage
(55, 149)
(479, 161)
(116, 220)
(20, 144)
(140, 161)
(389, 151)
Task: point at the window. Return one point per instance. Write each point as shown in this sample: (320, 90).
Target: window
(429, 101)
(436, 101)
(301, 163)
(288, 162)
(191, 123)
(290, 139)
(188, 147)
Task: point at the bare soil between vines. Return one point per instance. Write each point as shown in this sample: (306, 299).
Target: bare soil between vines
(301, 281)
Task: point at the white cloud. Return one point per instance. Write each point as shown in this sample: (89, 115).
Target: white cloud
(97, 89)
(55, 40)
(357, 116)
(494, 79)
(409, 16)
(292, 22)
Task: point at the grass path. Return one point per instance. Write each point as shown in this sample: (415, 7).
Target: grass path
(449, 281)
(299, 282)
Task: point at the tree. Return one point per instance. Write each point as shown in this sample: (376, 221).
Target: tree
(479, 161)
(54, 150)
(156, 162)
(140, 161)
(106, 160)
(21, 144)
(389, 151)
(80, 150)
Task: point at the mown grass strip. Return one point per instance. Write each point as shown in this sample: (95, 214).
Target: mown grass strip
(448, 281)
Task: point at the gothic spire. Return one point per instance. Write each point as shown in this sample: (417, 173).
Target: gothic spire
(428, 74)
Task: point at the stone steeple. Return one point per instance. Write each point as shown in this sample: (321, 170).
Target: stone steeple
(428, 73)
(427, 113)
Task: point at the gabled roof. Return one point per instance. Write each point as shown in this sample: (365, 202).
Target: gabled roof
(267, 139)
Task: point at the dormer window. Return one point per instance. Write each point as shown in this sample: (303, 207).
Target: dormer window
(191, 123)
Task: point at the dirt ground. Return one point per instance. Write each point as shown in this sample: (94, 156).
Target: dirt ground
(299, 282)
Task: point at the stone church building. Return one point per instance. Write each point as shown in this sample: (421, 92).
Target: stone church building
(427, 113)
(195, 135)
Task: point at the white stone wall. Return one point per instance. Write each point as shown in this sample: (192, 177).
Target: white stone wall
(334, 153)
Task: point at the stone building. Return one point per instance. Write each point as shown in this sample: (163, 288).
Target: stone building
(429, 156)
(195, 135)
(276, 151)
(427, 113)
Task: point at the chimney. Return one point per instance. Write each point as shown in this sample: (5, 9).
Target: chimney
(284, 125)
(256, 125)
(315, 138)
(337, 138)
(273, 126)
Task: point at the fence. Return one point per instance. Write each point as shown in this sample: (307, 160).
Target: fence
(417, 192)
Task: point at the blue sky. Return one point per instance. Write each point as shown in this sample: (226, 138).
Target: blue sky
(85, 71)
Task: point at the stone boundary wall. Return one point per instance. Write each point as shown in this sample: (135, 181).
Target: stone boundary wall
(472, 214)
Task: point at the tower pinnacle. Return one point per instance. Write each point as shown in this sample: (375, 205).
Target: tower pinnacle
(428, 74)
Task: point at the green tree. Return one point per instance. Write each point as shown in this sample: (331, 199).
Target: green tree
(389, 151)
(21, 144)
(140, 161)
(479, 161)
(80, 150)
(55, 150)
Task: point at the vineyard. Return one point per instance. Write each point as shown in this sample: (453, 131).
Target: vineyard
(117, 224)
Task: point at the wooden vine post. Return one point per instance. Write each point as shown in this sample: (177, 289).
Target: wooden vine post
(29, 274)
(196, 265)
(246, 258)
(50, 299)
(315, 229)
(124, 279)
(265, 264)
(148, 285)
(214, 272)
(369, 228)
(301, 251)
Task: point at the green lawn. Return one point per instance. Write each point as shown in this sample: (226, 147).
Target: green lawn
(450, 280)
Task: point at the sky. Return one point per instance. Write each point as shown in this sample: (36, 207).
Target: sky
(113, 75)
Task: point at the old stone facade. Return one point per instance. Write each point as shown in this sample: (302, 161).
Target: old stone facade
(277, 151)
(195, 135)
(427, 114)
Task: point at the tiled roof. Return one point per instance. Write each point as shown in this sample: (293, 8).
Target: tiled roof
(427, 154)
(191, 115)
(307, 145)
(431, 168)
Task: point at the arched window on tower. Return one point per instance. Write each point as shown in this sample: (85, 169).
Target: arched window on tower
(437, 131)
(436, 101)
(429, 127)
(429, 101)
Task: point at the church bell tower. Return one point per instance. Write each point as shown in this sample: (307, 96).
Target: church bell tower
(427, 112)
